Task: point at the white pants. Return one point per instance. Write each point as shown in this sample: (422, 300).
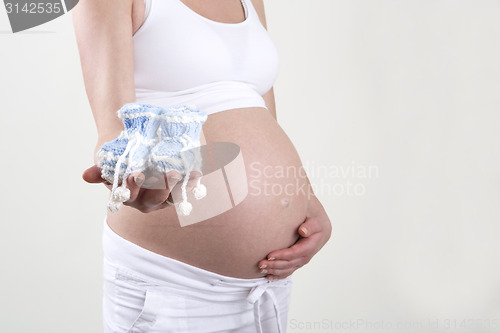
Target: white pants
(148, 292)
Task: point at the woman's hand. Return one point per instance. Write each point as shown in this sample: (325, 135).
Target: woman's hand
(145, 200)
(314, 232)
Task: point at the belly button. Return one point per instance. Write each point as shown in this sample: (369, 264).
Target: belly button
(285, 202)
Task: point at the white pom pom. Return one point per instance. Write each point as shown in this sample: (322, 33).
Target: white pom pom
(114, 206)
(199, 191)
(121, 194)
(184, 208)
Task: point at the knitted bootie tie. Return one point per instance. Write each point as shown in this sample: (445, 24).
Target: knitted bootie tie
(180, 138)
(110, 151)
(130, 151)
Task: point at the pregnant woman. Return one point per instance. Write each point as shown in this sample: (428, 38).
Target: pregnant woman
(230, 272)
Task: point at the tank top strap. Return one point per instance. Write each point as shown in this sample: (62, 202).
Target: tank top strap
(147, 4)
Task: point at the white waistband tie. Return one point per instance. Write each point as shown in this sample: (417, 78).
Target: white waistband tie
(255, 296)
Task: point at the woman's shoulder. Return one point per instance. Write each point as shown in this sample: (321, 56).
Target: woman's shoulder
(259, 8)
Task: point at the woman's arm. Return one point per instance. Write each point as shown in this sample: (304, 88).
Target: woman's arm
(104, 31)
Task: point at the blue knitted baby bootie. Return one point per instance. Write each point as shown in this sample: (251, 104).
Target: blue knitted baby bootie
(179, 148)
(110, 151)
(129, 152)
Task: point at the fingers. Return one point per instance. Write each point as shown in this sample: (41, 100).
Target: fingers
(303, 247)
(282, 274)
(281, 268)
(282, 263)
(171, 179)
(193, 179)
(309, 227)
(275, 265)
(148, 200)
(194, 176)
(93, 175)
(134, 183)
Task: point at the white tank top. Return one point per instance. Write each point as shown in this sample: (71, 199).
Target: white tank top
(182, 57)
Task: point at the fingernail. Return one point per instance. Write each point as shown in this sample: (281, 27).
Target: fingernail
(272, 258)
(304, 230)
(139, 179)
(263, 271)
(263, 266)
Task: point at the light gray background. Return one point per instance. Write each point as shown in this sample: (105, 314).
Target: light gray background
(407, 91)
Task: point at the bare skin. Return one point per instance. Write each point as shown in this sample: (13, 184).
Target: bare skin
(104, 32)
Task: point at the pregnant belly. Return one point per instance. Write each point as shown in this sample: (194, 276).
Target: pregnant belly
(232, 242)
